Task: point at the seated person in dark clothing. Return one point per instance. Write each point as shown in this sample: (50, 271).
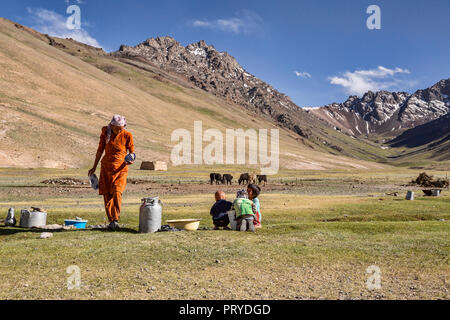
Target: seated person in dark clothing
(219, 211)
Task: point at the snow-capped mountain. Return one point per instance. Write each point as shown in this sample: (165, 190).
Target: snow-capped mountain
(388, 113)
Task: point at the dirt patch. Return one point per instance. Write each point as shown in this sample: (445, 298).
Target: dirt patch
(138, 181)
(141, 187)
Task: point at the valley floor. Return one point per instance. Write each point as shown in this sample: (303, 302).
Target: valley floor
(321, 232)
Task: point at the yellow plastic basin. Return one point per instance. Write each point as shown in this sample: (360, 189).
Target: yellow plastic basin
(186, 224)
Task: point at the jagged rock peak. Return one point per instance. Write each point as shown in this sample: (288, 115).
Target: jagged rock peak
(388, 112)
(216, 72)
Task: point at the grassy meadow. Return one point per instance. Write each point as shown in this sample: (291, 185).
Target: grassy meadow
(321, 231)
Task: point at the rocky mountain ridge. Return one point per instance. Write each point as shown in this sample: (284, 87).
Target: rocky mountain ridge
(220, 74)
(382, 114)
(388, 113)
(209, 69)
(169, 63)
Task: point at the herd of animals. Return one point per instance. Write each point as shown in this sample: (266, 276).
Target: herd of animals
(244, 178)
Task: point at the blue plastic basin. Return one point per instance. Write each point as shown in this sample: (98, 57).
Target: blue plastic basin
(79, 224)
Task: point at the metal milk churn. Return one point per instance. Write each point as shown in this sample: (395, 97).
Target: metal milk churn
(10, 220)
(150, 215)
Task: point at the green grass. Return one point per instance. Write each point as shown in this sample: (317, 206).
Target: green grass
(311, 246)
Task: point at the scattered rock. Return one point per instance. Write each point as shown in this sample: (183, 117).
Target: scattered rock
(55, 227)
(151, 289)
(137, 181)
(98, 226)
(167, 228)
(46, 235)
(64, 181)
(424, 180)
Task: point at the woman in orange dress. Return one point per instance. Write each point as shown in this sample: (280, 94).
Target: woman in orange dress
(115, 141)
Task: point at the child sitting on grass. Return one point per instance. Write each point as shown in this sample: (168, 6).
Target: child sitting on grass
(244, 209)
(253, 191)
(219, 211)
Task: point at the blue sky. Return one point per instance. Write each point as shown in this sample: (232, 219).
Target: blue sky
(317, 52)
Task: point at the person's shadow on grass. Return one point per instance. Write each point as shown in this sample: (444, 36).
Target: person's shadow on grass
(121, 230)
(7, 231)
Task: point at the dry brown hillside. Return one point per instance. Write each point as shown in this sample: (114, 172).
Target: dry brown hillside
(55, 97)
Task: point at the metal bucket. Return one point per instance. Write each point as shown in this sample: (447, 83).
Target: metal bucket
(30, 219)
(150, 214)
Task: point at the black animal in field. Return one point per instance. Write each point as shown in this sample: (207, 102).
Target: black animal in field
(228, 178)
(244, 178)
(216, 177)
(262, 178)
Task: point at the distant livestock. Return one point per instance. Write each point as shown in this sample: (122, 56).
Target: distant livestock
(262, 178)
(227, 178)
(244, 178)
(216, 177)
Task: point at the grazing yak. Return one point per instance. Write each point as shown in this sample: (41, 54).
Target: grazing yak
(227, 178)
(245, 177)
(217, 177)
(262, 178)
(252, 178)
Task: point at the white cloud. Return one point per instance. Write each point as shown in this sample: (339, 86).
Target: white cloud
(54, 24)
(302, 74)
(199, 23)
(77, 1)
(361, 81)
(245, 22)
